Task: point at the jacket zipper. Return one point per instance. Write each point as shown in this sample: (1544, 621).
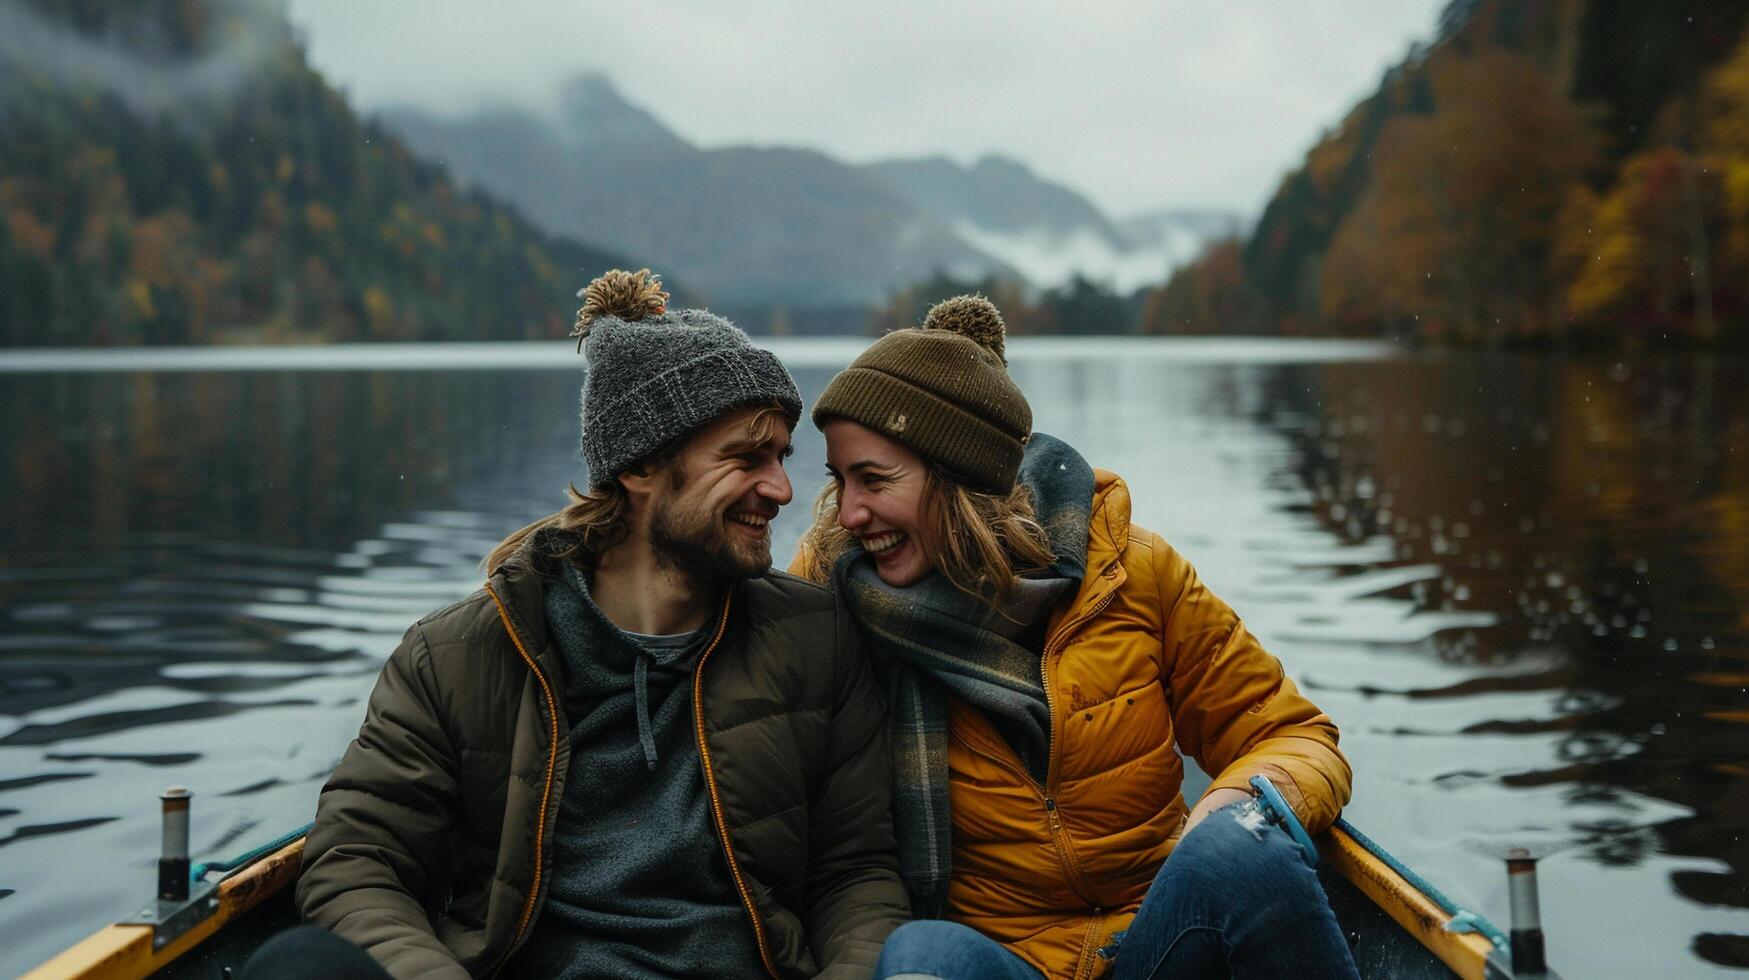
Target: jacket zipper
(1066, 853)
(710, 782)
(540, 826)
(1044, 675)
(1059, 837)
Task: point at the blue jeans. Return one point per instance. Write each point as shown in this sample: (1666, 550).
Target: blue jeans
(1236, 898)
(935, 949)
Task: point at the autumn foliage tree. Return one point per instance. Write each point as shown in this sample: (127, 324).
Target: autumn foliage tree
(1208, 296)
(1632, 255)
(1724, 113)
(1079, 306)
(1453, 235)
(1539, 171)
(1663, 249)
(262, 208)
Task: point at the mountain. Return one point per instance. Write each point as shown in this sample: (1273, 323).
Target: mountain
(995, 194)
(1541, 169)
(741, 224)
(173, 171)
(594, 114)
(1045, 231)
(777, 227)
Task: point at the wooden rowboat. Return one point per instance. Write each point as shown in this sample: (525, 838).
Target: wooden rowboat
(1399, 925)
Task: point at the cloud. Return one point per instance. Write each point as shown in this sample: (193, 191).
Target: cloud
(1137, 104)
(129, 70)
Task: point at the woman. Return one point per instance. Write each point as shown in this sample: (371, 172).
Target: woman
(1041, 658)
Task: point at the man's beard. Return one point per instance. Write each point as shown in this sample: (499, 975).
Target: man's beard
(698, 546)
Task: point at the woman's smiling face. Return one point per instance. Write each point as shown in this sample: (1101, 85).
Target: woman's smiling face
(883, 491)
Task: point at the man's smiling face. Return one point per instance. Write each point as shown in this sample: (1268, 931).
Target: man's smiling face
(711, 516)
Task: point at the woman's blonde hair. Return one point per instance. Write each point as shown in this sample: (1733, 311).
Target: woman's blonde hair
(980, 542)
(595, 520)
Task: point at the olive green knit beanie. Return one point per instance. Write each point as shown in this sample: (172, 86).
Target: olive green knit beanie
(943, 391)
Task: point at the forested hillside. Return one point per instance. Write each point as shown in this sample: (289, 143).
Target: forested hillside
(173, 171)
(1545, 170)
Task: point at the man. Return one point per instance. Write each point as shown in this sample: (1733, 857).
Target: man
(635, 751)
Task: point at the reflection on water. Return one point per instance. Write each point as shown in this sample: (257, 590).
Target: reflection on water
(1519, 584)
(1601, 512)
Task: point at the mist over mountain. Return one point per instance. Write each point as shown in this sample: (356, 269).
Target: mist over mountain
(1192, 223)
(780, 226)
(997, 194)
(592, 114)
(151, 61)
(742, 225)
(1045, 231)
(173, 171)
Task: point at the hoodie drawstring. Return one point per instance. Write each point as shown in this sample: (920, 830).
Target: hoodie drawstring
(641, 694)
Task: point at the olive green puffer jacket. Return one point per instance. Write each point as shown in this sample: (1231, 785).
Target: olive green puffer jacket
(432, 844)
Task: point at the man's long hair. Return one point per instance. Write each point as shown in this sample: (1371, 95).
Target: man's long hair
(595, 520)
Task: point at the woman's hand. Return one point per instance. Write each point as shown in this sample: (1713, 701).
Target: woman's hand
(1212, 801)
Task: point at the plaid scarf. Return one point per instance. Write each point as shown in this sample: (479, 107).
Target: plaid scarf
(931, 640)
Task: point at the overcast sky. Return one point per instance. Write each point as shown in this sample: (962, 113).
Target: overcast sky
(1138, 105)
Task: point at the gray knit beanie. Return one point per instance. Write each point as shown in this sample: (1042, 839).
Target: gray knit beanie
(655, 375)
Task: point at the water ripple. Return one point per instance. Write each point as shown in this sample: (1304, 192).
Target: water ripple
(1517, 584)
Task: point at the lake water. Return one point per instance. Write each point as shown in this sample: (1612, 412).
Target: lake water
(1520, 584)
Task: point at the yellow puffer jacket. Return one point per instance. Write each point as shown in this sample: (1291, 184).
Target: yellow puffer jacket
(1142, 658)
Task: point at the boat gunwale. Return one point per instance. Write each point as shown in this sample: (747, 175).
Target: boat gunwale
(123, 952)
(1469, 955)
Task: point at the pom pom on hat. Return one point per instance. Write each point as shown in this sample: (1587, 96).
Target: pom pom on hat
(943, 391)
(657, 374)
(973, 317)
(629, 296)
